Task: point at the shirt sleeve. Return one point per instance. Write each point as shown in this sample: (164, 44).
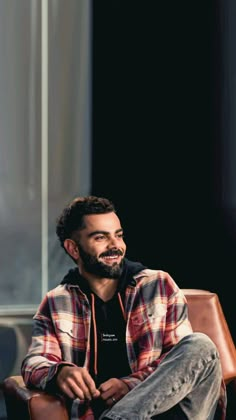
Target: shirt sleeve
(43, 358)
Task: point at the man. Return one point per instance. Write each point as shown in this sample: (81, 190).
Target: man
(114, 337)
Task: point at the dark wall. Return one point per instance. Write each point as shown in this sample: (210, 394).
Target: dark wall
(156, 142)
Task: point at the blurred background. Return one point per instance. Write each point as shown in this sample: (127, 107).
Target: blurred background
(131, 100)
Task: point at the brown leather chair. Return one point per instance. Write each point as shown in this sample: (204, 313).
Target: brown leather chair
(206, 315)
(25, 404)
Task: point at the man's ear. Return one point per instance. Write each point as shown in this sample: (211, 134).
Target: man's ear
(71, 248)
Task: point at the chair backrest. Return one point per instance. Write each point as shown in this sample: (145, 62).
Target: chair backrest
(206, 315)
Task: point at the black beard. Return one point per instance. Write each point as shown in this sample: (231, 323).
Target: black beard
(93, 266)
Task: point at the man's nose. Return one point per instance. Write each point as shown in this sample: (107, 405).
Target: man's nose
(113, 242)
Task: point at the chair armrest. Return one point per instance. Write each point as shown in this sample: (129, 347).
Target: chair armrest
(25, 403)
(206, 315)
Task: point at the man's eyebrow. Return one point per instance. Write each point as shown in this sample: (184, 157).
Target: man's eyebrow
(103, 232)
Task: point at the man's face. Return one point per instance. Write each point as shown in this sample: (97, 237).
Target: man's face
(101, 246)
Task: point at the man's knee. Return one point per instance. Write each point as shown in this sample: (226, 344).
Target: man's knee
(200, 344)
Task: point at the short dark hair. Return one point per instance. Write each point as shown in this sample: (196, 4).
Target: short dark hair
(72, 216)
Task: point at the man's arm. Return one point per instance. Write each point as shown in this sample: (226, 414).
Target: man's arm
(44, 355)
(44, 367)
(170, 323)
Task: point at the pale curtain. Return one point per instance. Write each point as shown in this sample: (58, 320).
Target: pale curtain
(69, 137)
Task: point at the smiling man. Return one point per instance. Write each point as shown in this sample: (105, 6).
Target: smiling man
(114, 337)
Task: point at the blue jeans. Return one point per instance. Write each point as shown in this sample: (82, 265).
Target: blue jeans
(186, 385)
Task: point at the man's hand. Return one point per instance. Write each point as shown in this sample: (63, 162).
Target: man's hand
(113, 390)
(76, 382)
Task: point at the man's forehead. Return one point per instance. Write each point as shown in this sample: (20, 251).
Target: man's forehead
(103, 222)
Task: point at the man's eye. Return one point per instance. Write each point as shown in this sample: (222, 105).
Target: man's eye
(120, 235)
(99, 238)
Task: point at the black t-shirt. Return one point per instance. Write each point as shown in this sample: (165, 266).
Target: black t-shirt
(112, 361)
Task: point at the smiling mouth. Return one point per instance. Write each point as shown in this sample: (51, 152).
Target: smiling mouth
(111, 258)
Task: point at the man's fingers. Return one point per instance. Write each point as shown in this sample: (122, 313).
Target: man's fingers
(90, 384)
(113, 390)
(77, 383)
(67, 391)
(75, 389)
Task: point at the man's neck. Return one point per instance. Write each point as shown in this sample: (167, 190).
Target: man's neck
(104, 288)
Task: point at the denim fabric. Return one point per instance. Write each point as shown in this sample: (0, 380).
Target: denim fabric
(186, 385)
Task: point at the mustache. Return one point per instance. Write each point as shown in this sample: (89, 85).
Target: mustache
(111, 253)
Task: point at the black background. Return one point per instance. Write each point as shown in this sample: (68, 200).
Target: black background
(157, 146)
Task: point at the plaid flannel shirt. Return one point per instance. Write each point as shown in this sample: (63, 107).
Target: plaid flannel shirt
(157, 319)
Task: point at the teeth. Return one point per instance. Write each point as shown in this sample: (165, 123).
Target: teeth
(111, 256)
